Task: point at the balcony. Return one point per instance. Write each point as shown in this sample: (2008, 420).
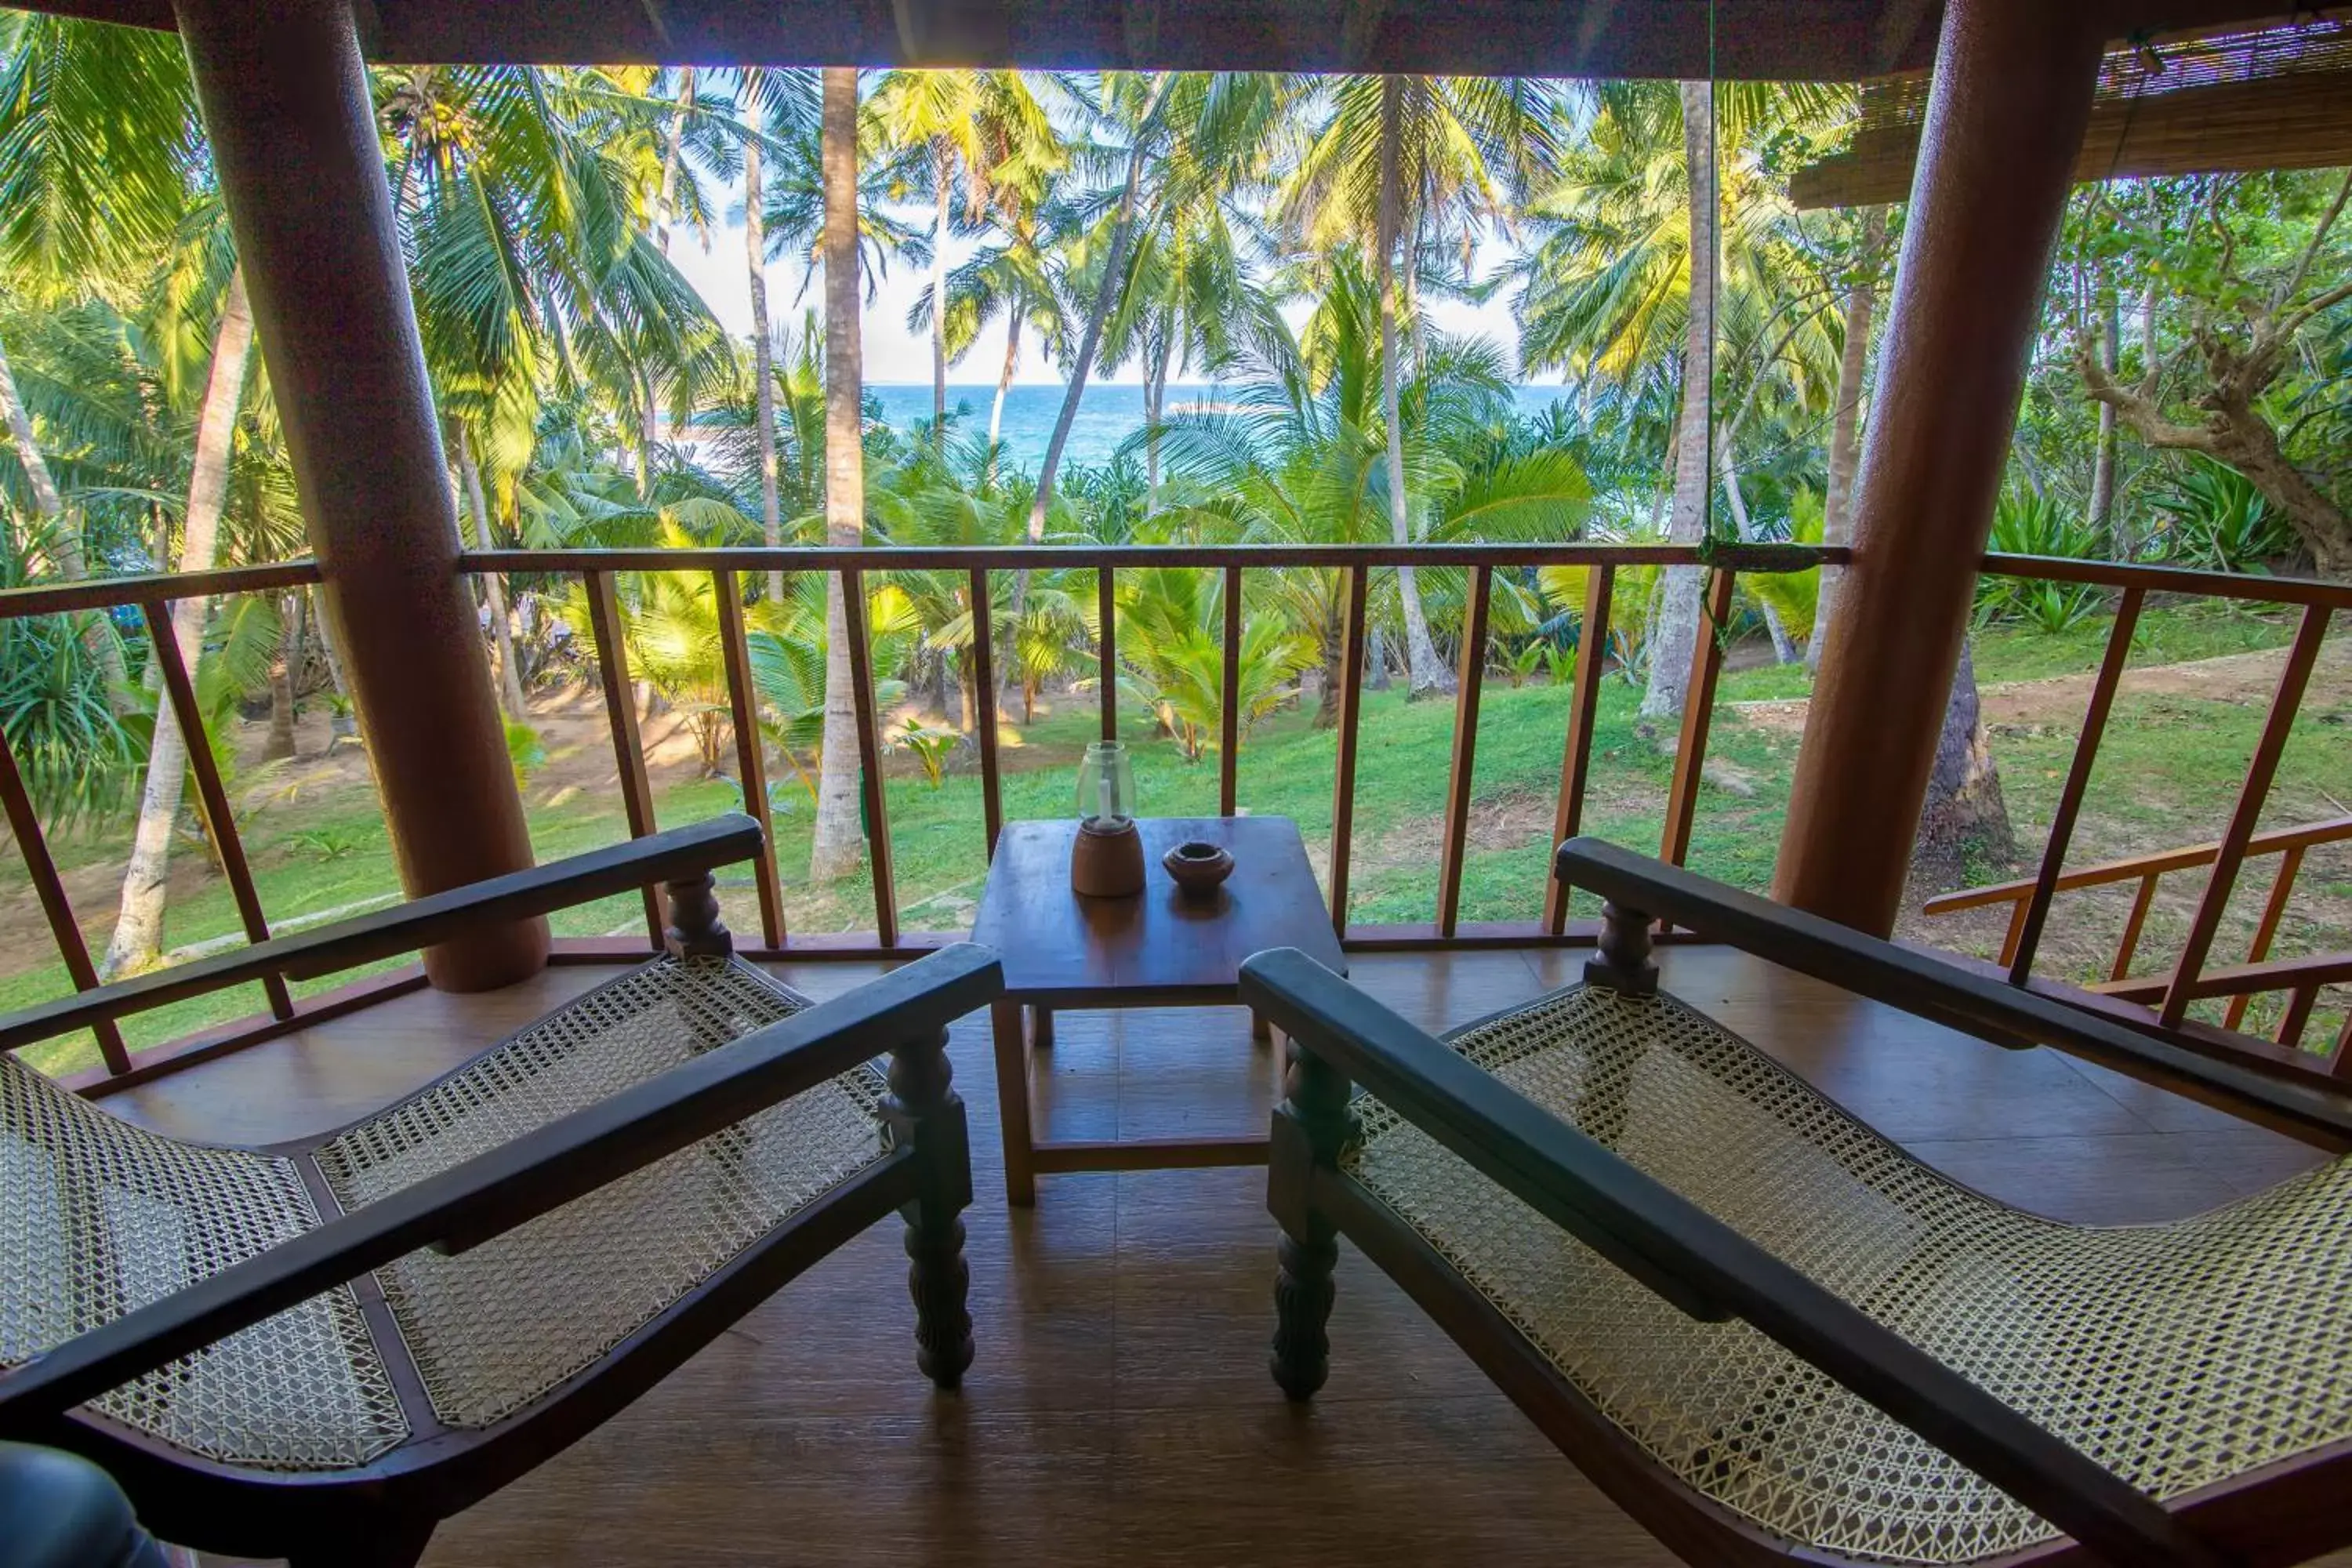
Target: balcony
(1119, 1408)
(1119, 1402)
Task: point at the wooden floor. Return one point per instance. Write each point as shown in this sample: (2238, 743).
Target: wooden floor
(1119, 1409)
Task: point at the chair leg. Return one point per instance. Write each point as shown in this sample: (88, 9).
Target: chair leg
(1303, 1294)
(939, 1280)
(1310, 1127)
(927, 1115)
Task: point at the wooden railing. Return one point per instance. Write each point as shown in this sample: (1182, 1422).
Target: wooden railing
(598, 568)
(980, 566)
(2187, 980)
(153, 596)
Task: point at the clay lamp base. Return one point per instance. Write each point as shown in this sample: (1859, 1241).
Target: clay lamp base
(1107, 861)
(1197, 868)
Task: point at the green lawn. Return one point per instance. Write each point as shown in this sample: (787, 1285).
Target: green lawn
(2167, 772)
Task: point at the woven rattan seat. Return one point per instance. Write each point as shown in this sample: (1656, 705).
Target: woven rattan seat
(98, 1216)
(2176, 1355)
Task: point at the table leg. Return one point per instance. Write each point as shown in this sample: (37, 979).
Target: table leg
(1041, 1028)
(1261, 1028)
(1012, 1104)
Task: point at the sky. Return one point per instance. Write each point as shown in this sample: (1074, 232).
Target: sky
(894, 354)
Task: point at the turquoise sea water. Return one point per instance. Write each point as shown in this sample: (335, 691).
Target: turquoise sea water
(1108, 415)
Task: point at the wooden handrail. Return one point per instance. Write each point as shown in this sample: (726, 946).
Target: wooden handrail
(2134, 866)
(2306, 591)
(1129, 557)
(152, 588)
(2240, 979)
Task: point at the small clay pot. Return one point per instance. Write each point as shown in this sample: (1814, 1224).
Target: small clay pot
(1197, 868)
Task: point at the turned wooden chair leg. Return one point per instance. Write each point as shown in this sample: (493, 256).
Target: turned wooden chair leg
(927, 1115)
(1310, 1129)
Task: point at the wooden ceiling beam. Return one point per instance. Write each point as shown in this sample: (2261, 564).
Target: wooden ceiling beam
(2293, 122)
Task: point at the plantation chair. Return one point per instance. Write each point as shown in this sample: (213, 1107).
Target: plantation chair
(320, 1349)
(1771, 1335)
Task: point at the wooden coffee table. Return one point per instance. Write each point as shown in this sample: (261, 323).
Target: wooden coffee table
(1156, 949)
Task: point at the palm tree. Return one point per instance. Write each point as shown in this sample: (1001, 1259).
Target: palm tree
(97, 128)
(1299, 455)
(1010, 276)
(1631, 281)
(836, 844)
(1142, 131)
(754, 100)
(1396, 154)
(984, 127)
(137, 939)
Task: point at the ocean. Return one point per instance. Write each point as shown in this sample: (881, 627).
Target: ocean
(1108, 415)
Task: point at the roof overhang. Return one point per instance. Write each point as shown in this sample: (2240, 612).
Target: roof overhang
(1791, 40)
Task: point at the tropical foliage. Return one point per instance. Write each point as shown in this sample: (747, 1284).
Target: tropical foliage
(1305, 244)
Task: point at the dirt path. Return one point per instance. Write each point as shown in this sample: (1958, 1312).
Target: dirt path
(2250, 677)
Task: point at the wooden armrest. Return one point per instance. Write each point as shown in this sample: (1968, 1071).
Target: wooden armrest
(1929, 988)
(543, 1170)
(1696, 1262)
(419, 923)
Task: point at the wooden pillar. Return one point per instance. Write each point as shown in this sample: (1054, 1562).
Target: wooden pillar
(286, 102)
(2010, 98)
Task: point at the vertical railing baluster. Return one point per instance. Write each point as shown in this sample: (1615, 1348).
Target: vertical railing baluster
(983, 707)
(1106, 641)
(1343, 771)
(620, 717)
(24, 823)
(1459, 774)
(1584, 708)
(869, 756)
(2297, 1017)
(751, 763)
(1698, 712)
(2243, 817)
(2128, 944)
(2026, 937)
(2273, 911)
(1229, 716)
(2013, 938)
(212, 797)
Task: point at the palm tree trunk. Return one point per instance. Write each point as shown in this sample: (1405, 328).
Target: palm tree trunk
(341, 726)
(1965, 821)
(764, 367)
(1155, 395)
(138, 941)
(1004, 386)
(280, 747)
(837, 843)
(942, 194)
(494, 590)
(1845, 447)
(1114, 272)
(1677, 631)
(61, 535)
(664, 206)
(1426, 671)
